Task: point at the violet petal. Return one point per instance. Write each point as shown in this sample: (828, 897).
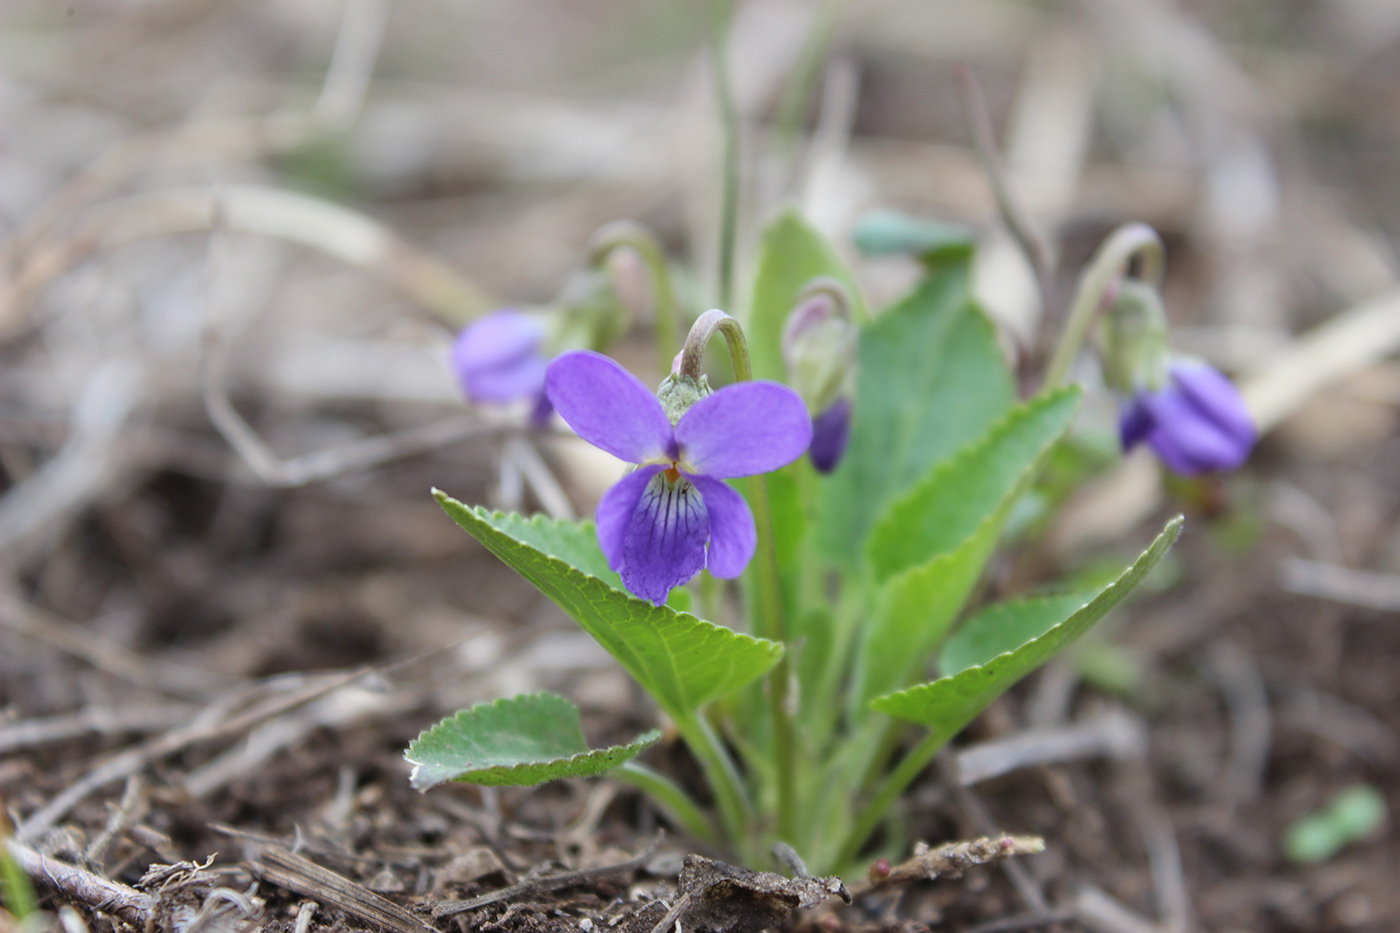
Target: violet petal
(733, 537)
(542, 410)
(745, 429)
(608, 406)
(497, 358)
(1216, 398)
(1186, 440)
(831, 430)
(1134, 422)
(664, 545)
(615, 511)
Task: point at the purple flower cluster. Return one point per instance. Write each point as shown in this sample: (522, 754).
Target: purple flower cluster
(498, 359)
(674, 515)
(1197, 423)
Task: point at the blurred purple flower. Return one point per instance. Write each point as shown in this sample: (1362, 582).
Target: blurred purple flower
(674, 516)
(830, 432)
(498, 359)
(1197, 423)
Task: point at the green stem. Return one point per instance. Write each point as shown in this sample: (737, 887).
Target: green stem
(1109, 264)
(16, 893)
(735, 808)
(771, 623)
(629, 234)
(903, 775)
(729, 157)
(678, 806)
(802, 85)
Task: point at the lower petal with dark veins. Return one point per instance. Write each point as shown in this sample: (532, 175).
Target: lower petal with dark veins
(664, 546)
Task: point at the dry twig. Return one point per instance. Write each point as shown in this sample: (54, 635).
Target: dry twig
(98, 893)
(218, 721)
(295, 873)
(950, 860)
(1341, 584)
(287, 215)
(1116, 734)
(1018, 222)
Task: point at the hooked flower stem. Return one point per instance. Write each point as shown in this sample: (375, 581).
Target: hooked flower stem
(628, 234)
(1110, 263)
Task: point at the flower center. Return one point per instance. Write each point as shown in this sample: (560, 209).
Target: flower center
(672, 472)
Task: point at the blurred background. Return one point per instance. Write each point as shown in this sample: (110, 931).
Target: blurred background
(236, 239)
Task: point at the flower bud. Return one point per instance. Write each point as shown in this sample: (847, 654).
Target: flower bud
(1134, 336)
(831, 430)
(1196, 423)
(678, 392)
(591, 312)
(820, 345)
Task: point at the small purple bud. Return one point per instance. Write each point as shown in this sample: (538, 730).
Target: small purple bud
(1197, 423)
(820, 344)
(498, 359)
(830, 432)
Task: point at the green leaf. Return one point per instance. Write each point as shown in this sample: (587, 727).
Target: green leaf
(887, 233)
(1005, 627)
(931, 380)
(524, 740)
(682, 661)
(951, 501)
(791, 254)
(956, 515)
(912, 612)
(575, 543)
(948, 704)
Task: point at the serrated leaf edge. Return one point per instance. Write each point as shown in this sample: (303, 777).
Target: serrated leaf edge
(1172, 529)
(538, 520)
(1026, 601)
(890, 514)
(482, 513)
(776, 649)
(642, 742)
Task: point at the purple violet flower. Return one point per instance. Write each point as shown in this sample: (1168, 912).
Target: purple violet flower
(674, 515)
(830, 432)
(498, 359)
(1196, 423)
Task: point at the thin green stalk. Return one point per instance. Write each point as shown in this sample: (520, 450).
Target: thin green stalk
(802, 85)
(632, 235)
(850, 610)
(729, 152)
(910, 766)
(678, 806)
(16, 893)
(735, 808)
(771, 623)
(1108, 265)
(710, 598)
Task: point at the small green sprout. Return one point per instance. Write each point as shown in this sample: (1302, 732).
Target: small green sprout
(1352, 815)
